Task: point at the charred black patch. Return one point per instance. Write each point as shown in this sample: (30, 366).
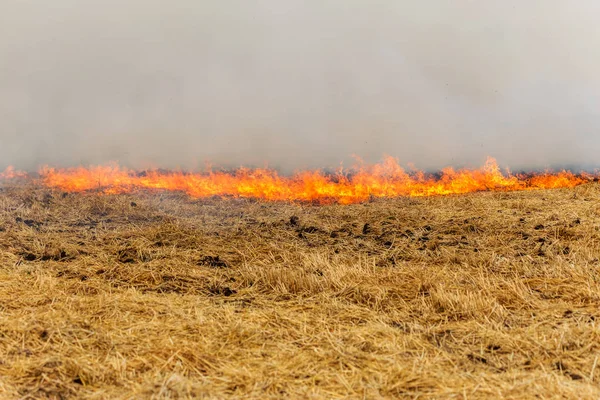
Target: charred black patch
(29, 256)
(60, 255)
(477, 358)
(213, 262)
(307, 229)
(222, 291)
(387, 262)
(127, 256)
(562, 367)
(71, 274)
(472, 229)
(29, 222)
(366, 229)
(424, 289)
(541, 252)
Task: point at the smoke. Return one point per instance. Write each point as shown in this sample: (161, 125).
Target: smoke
(298, 83)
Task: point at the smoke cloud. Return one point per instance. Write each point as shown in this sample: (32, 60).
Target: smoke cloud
(299, 83)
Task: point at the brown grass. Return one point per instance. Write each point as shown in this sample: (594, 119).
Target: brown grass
(155, 295)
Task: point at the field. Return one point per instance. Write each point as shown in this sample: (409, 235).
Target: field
(158, 295)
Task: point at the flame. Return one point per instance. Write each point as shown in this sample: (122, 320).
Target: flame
(11, 173)
(363, 182)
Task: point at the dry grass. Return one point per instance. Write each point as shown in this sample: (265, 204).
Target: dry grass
(492, 295)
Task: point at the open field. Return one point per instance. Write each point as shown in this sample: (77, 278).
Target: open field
(157, 295)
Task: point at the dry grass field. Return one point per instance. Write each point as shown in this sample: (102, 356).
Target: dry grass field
(157, 295)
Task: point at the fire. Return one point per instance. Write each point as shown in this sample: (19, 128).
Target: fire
(386, 179)
(11, 173)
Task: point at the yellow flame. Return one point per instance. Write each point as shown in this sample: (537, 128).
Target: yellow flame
(386, 179)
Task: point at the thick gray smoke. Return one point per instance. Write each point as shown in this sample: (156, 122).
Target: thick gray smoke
(299, 83)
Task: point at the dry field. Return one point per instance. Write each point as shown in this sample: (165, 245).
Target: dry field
(157, 295)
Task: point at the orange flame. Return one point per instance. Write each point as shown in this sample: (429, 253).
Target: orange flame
(11, 173)
(386, 179)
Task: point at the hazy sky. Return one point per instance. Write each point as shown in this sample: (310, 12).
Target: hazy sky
(299, 83)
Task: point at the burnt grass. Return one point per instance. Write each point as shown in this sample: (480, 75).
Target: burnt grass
(158, 295)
